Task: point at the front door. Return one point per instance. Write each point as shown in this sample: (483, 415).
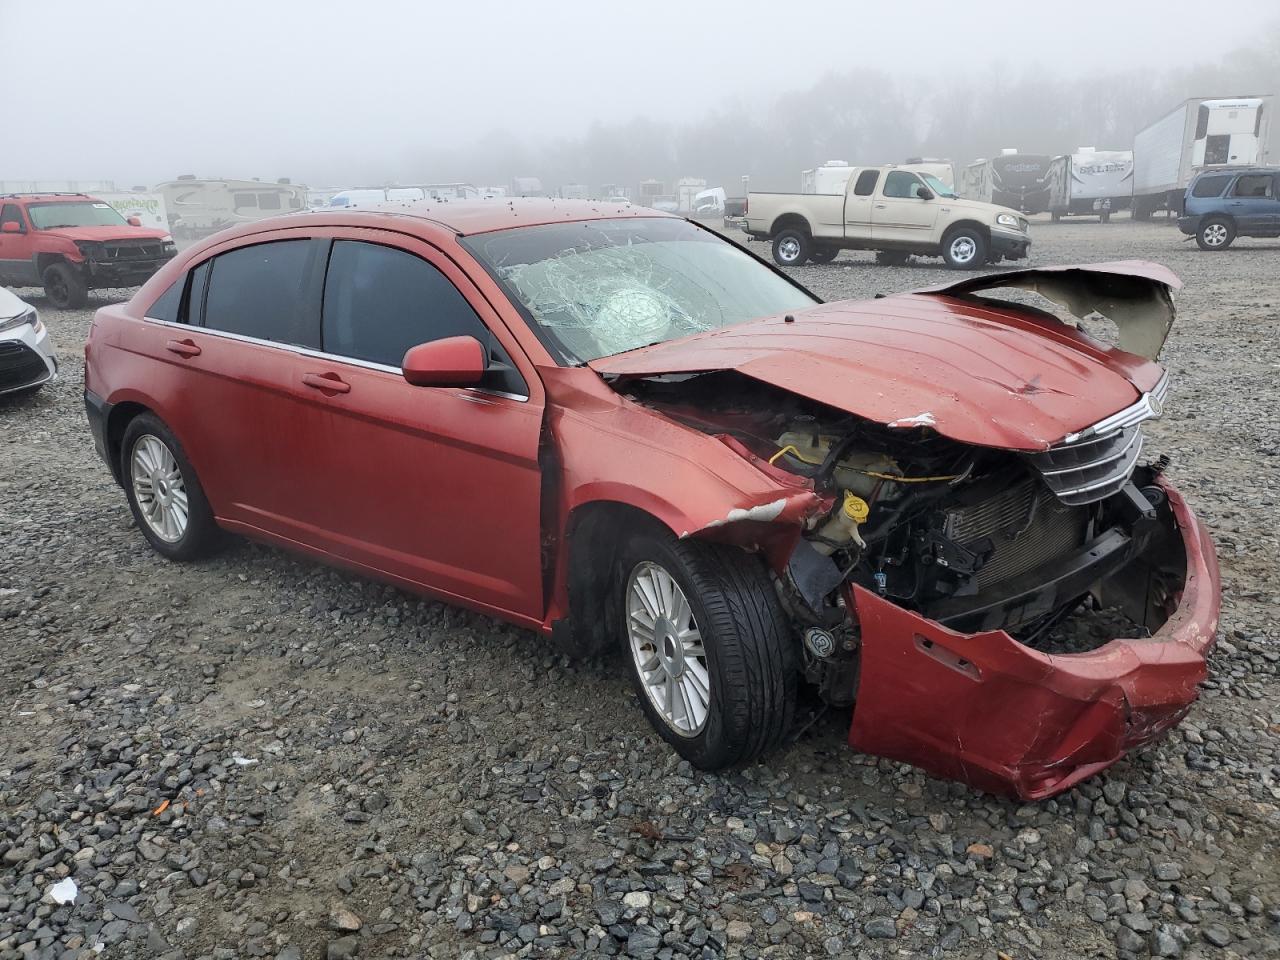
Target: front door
(899, 214)
(17, 266)
(439, 486)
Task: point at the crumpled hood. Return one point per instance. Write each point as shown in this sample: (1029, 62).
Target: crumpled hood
(101, 234)
(976, 371)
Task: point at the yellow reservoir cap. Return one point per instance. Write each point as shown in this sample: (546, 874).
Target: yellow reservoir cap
(855, 508)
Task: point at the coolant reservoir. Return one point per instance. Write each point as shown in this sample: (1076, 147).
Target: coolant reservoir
(851, 472)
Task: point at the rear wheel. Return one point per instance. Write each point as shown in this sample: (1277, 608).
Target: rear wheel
(964, 249)
(64, 286)
(791, 248)
(164, 493)
(708, 648)
(824, 254)
(1215, 233)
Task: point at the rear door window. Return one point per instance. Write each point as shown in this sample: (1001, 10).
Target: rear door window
(1210, 186)
(267, 291)
(866, 184)
(12, 213)
(380, 301)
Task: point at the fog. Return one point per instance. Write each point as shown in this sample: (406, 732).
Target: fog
(574, 92)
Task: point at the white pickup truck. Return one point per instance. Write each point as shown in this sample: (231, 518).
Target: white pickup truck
(894, 211)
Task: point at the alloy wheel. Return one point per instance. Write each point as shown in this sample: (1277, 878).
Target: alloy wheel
(1215, 234)
(789, 249)
(963, 249)
(667, 648)
(159, 489)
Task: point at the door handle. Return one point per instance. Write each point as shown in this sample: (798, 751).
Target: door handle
(183, 348)
(328, 382)
(881, 206)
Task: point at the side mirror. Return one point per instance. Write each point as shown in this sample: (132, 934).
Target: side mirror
(924, 193)
(11, 226)
(451, 362)
(135, 222)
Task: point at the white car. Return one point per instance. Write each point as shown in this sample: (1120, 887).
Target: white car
(26, 356)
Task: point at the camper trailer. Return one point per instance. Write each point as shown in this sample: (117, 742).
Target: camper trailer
(1015, 180)
(941, 170)
(197, 207)
(1090, 182)
(1198, 134)
(831, 177)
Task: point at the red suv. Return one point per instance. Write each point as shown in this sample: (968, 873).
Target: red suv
(71, 243)
(619, 429)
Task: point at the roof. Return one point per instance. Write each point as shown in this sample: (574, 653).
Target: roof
(42, 197)
(467, 217)
(1233, 169)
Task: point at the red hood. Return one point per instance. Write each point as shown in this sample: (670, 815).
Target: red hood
(977, 373)
(108, 233)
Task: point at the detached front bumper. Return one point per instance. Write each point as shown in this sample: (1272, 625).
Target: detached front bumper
(1009, 244)
(986, 710)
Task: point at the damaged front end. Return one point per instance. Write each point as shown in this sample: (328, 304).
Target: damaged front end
(1014, 618)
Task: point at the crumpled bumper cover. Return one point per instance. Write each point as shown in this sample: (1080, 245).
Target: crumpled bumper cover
(985, 710)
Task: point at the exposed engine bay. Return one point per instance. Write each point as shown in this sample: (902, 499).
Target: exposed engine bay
(973, 538)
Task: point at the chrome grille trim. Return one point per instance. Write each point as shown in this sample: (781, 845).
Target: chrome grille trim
(1150, 406)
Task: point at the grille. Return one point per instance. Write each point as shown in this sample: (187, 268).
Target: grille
(1054, 529)
(20, 365)
(1093, 469)
(1098, 461)
(136, 250)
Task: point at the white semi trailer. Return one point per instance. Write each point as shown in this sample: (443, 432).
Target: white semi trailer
(1199, 133)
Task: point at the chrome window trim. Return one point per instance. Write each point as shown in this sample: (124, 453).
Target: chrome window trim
(319, 355)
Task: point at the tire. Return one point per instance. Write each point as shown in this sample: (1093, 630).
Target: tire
(964, 249)
(824, 254)
(749, 665)
(791, 248)
(64, 286)
(142, 463)
(1215, 233)
(892, 258)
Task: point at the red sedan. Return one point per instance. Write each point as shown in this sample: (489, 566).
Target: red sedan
(616, 427)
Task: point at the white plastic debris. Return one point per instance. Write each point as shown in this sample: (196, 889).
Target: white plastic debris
(64, 891)
(243, 761)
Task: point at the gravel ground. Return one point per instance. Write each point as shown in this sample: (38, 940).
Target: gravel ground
(256, 756)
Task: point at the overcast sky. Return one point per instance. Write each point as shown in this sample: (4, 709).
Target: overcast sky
(139, 92)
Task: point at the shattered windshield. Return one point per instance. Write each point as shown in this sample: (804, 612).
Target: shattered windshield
(600, 287)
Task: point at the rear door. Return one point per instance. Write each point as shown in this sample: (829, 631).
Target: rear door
(439, 486)
(899, 214)
(1252, 203)
(227, 343)
(857, 204)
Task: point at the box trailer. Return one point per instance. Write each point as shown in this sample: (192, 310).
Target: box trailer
(1197, 134)
(197, 208)
(1090, 183)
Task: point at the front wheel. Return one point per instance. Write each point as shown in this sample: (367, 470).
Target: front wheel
(64, 286)
(791, 248)
(964, 249)
(1215, 233)
(708, 647)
